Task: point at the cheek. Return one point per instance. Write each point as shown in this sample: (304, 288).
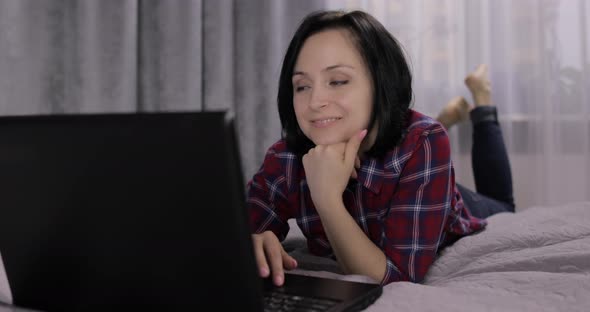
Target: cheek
(362, 108)
(298, 109)
(368, 106)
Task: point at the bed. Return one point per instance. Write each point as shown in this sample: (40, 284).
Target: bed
(535, 260)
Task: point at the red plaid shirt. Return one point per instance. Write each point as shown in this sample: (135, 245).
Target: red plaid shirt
(406, 203)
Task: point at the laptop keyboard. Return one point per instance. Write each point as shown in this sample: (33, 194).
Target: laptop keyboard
(276, 301)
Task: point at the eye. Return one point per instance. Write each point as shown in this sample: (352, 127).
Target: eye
(301, 88)
(338, 82)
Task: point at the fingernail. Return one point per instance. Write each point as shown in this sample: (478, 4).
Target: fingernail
(279, 280)
(294, 262)
(363, 134)
(264, 272)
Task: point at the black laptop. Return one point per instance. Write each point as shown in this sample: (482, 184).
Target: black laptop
(138, 210)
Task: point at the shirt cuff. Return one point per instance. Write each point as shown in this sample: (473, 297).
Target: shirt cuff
(392, 273)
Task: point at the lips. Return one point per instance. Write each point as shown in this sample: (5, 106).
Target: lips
(324, 122)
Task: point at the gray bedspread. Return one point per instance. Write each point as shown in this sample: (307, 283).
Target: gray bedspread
(535, 260)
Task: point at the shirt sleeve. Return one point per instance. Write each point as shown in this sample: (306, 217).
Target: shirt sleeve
(419, 208)
(266, 198)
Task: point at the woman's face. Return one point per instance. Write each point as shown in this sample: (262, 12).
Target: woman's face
(332, 88)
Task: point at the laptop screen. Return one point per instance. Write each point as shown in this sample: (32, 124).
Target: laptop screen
(110, 209)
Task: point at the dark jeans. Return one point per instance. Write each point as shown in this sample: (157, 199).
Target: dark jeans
(491, 167)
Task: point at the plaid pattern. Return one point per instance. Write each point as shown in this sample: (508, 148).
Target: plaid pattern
(407, 202)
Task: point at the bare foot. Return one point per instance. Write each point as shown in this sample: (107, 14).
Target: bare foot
(456, 110)
(480, 86)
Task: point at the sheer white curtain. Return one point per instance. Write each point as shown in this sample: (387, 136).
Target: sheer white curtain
(539, 58)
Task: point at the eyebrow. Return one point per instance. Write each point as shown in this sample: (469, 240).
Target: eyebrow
(329, 68)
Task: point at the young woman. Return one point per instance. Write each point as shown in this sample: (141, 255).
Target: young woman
(369, 181)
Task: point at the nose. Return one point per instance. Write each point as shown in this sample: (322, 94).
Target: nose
(319, 98)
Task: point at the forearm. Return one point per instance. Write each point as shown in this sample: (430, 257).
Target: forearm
(356, 253)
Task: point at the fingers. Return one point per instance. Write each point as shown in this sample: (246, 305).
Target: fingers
(357, 165)
(289, 262)
(352, 147)
(349, 151)
(274, 256)
(271, 258)
(257, 241)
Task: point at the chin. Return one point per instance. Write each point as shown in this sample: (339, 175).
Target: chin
(327, 141)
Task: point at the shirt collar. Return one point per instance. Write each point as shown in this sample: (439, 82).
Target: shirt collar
(371, 174)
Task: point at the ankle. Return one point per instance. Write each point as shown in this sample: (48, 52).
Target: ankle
(482, 99)
(484, 113)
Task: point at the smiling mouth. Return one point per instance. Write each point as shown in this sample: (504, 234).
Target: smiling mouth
(321, 123)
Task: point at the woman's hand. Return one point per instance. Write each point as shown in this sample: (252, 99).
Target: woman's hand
(329, 167)
(357, 165)
(271, 257)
